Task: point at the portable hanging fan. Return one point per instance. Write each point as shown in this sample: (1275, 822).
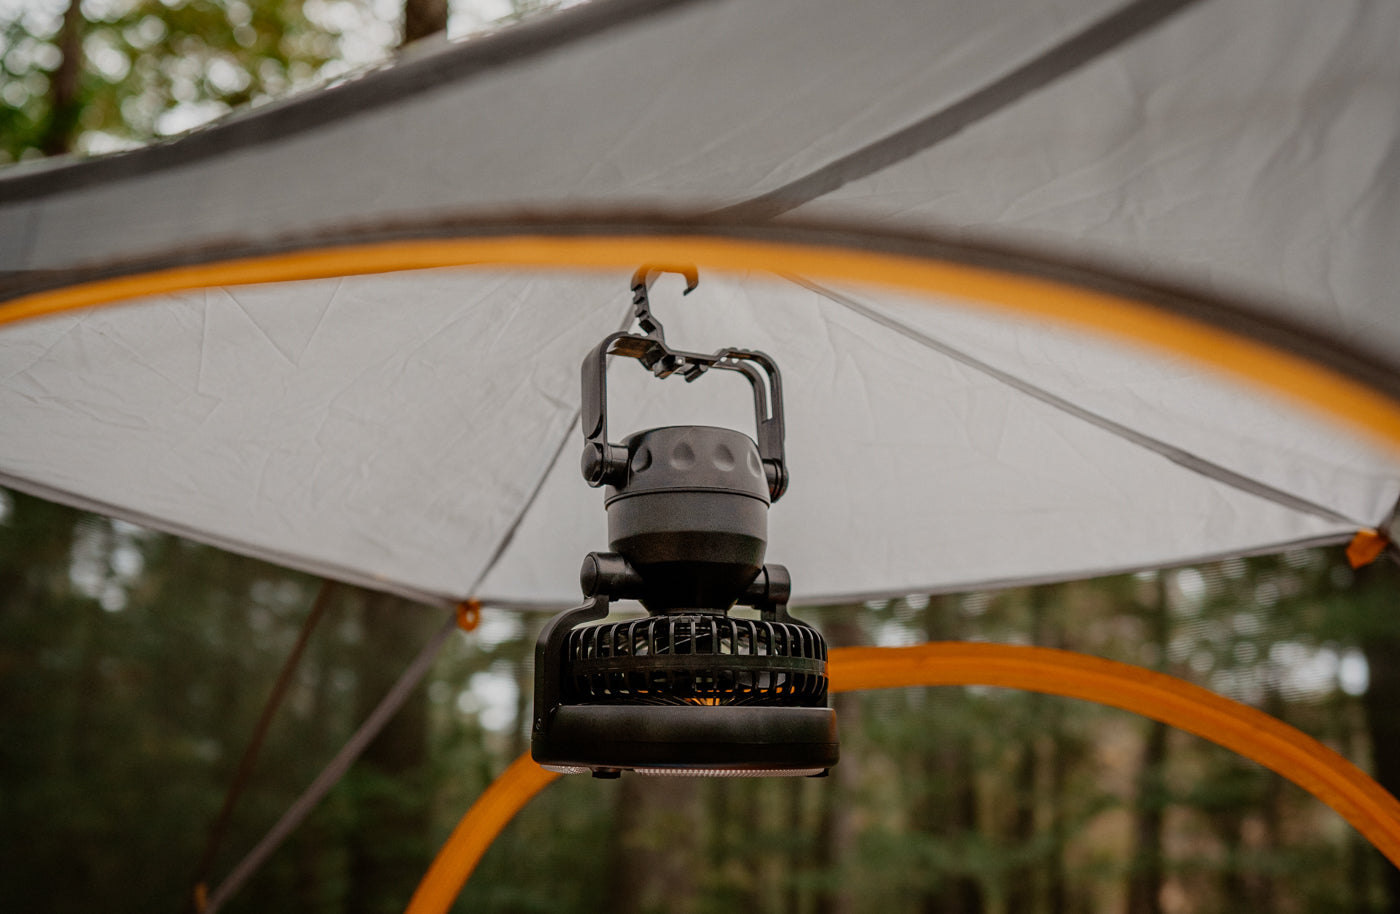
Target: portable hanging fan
(688, 690)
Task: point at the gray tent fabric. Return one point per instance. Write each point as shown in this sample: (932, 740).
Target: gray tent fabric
(416, 430)
(1252, 147)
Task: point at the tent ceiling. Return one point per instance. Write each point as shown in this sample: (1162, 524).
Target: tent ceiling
(1250, 148)
(416, 429)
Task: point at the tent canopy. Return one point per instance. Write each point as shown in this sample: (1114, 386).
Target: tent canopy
(1057, 290)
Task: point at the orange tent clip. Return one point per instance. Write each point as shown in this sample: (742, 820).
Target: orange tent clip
(468, 615)
(1366, 547)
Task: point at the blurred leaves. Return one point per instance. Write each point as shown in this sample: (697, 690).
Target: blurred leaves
(152, 68)
(148, 69)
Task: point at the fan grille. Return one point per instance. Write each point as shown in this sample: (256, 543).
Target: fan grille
(695, 658)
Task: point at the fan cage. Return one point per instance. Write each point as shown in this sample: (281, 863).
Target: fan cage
(696, 658)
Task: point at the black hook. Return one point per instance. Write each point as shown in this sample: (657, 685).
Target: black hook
(647, 274)
(605, 463)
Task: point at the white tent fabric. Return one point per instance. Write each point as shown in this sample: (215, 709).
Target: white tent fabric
(1251, 147)
(416, 430)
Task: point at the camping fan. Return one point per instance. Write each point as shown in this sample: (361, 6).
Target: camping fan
(687, 690)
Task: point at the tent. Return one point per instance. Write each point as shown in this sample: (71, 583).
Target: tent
(1057, 290)
(1217, 163)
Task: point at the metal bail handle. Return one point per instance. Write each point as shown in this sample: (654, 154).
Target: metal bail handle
(605, 463)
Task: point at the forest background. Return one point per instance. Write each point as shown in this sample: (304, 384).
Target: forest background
(134, 665)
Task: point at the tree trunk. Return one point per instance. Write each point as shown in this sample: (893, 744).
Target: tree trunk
(1050, 605)
(656, 846)
(1264, 896)
(796, 859)
(1379, 582)
(1057, 884)
(422, 18)
(389, 843)
(1364, 862)
(948, 807)
(64, 85)
(1022, 892)
(1145, 885)
(1021, 884)
(1382, 702)
(837, 833)
(1145, 881)
(315, 840)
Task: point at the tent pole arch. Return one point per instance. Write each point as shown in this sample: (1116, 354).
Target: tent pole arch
(1328, 379)
(1251, 733)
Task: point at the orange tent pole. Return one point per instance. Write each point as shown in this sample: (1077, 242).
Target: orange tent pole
(1245, 359)
(1253, 734)
(450, 870)
(1238, 727)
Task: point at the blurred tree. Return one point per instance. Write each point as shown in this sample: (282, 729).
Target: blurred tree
(131, 666)
(946, 793)
(389, 788)
(839, 831)
(1148, 868)
(96, 76)
(1364, 614)
(422, 18)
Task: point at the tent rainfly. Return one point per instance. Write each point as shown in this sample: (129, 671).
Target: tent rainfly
(1057, 289)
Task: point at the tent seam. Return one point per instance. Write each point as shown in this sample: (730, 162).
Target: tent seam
(1124, 25)
(314, 567)
(1176, 455)
(509, 536)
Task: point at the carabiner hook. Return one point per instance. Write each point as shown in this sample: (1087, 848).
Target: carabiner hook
(647, 274)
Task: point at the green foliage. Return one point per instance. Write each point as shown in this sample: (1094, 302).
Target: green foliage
(150, 68)
(147, 69)
(120, 701)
